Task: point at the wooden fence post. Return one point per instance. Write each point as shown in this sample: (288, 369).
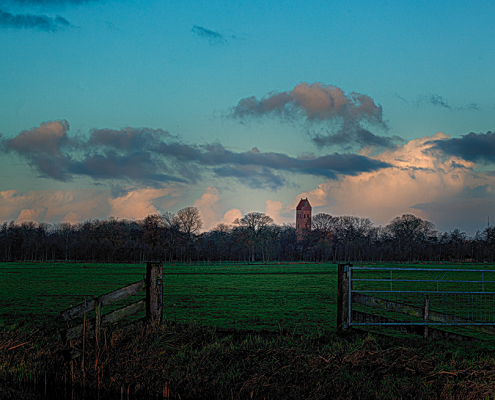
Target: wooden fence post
(426, 315)
(343, 297)
(154, 292)
(97, 321)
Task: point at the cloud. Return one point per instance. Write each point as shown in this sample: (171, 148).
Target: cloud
(279, 213)
(27, 215)
(230, 216)
(48, 140)
(127, 138)
(31, 21)
(210, 206)
(469, 214)
(138, 203)
(43, 148)
(77, 205)
(54, 205)
(125, 154)
(315, 101)
(206, 204)
(420, 181)
(475, 147)
(470, 106)
(252, 176)
(437, 101)
(71, 217)
(352, 133)
(213, 37)
(345, 116)
(153, 157)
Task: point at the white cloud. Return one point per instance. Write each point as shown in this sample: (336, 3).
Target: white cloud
(419, 177)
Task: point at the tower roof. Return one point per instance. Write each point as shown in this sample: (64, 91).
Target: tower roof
(303, 204)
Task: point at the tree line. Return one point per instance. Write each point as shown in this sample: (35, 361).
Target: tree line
(253, 238)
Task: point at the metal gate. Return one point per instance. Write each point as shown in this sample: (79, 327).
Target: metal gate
(416, 296)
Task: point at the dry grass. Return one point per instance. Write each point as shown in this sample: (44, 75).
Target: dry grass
(193, 361)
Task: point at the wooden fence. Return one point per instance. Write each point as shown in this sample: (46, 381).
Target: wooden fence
(152, 284)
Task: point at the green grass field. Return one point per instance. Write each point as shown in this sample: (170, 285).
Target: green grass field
(291, 297)
(240, 296)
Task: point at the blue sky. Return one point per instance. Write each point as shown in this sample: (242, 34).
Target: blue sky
(368, 108)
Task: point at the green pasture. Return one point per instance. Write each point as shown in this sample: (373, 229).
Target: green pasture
(293, 297)
(258, 297)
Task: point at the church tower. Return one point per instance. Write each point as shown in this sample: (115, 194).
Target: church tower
(303, 217)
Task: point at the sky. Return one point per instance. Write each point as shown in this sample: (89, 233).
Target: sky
(129, 108)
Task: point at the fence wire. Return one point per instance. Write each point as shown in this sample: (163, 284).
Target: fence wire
(414, 296)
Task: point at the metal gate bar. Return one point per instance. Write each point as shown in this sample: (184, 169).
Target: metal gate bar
(447, 301)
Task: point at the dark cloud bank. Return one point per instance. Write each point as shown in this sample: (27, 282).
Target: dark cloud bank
(153, 156)
(35, 21)
(30, 21)
(346, 118)
(475, 147)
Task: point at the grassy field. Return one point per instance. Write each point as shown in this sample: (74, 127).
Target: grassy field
(276, 297)
(303, 356)
(256, 297)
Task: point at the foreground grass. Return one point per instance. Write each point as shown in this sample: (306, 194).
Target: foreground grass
(195, 361)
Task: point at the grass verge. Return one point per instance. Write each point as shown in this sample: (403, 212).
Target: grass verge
(194, 361)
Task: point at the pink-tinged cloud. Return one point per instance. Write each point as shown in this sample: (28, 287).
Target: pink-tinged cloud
(72, 217)
(312, 101)
(280, 214)
(419, 179)
(43, 148)
(138, 203)
(230, 216)
(27, 215)
(344, 119)
(207, 205)
(79, 205)
(54, 205)
(47, 139)
(210, 207)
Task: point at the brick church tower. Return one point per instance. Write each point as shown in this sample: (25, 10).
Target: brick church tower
(303, 217)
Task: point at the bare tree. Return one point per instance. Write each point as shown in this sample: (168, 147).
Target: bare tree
(323, 222)
(255, 224)
(189, 221)
(410, 234)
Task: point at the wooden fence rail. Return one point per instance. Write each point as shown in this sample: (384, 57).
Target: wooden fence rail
(152, 304)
